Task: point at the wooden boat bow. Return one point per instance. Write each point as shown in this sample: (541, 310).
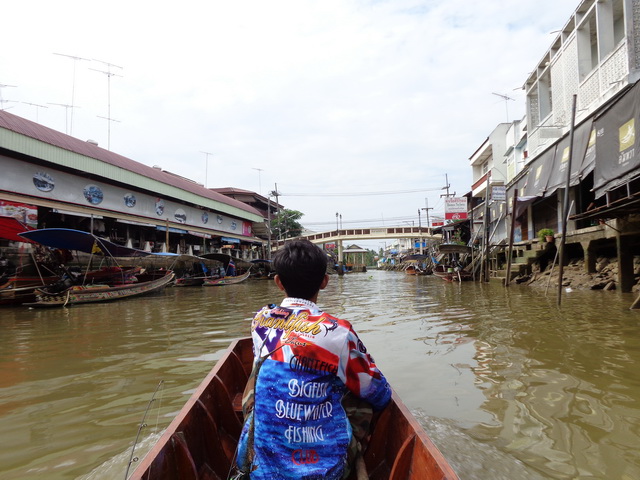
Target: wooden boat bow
(200, 443)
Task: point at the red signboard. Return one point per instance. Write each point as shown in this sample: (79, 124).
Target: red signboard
(455, 208)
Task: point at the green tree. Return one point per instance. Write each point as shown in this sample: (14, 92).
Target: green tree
(285, 224)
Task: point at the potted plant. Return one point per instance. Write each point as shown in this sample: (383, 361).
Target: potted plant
(546, 235)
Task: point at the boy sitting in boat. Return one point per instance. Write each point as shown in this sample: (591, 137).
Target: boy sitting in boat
(309, 368)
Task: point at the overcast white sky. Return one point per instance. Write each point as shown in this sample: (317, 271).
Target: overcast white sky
(325, 97)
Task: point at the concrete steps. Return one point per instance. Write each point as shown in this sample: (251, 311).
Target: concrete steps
(523, 259)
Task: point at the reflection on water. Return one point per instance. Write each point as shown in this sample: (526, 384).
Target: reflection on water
(502, 379)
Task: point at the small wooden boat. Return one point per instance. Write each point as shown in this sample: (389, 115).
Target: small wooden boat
(99, 293)
(451, 261)
(200, 442)
(11, 295)
(215, 282)
(112, 275)
(452, 274)
(189, 281)
(263, 270)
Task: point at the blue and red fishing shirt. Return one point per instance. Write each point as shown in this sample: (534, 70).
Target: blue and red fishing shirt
(301, 430)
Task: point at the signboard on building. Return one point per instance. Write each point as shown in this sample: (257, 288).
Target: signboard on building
(499, 193)
(455, 208)
(24, 213)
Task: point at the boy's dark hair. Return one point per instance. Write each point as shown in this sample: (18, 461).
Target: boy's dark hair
(301, 266)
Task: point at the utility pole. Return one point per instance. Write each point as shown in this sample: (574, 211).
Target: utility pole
(276, 194)
(446, 195)
(109, 74)
(426, 209)
(420, 230)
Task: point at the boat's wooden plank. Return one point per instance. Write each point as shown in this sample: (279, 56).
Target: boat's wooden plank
(186, 469)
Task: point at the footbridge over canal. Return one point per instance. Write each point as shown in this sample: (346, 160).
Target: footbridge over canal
(374, 233)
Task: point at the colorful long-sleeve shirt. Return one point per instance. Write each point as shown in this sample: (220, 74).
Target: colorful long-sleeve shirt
(300, 429)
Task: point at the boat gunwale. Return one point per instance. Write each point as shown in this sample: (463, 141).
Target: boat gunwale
(396, 411)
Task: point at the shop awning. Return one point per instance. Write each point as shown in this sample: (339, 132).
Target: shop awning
(617, 143)
(10, 228)
(558, 175)
(162, 228)
(539, 173)
(230, 240)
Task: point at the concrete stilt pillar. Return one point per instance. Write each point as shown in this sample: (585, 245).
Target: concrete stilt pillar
(340, 258)
(625, 263)
(589, 256)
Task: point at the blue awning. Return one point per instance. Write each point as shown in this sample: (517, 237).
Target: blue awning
(230, 240)
(79, 240)
(171, 229)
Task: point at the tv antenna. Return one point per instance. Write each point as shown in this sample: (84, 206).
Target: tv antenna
(260, 170)
(66, 114)
(2, 101)
(109, 74)
(38, 107)
(206, 168)
(73, 84)
(506, 99)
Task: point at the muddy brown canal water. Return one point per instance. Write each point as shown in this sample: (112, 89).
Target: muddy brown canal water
(508, 385)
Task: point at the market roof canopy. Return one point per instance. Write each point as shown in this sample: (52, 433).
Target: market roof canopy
(617, 145)
(68, 239)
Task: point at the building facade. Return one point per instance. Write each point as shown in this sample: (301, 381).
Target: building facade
(575, 154)
(54, 180)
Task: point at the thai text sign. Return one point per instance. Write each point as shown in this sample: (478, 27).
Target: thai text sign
(499, 193)
(455, 208)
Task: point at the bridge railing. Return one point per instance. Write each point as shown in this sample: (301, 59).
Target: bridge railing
(350, 232)
(367, 231)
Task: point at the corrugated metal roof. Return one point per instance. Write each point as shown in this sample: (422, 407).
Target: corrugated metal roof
(49, 136)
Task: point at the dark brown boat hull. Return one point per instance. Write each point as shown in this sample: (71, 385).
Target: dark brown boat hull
(200, 442)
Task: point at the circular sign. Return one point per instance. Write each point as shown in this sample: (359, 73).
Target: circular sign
(43, 182)
(129, 200)
(93, 194)
(180, 216)
(159, 206)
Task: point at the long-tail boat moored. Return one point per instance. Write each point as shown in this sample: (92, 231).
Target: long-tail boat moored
(200, 442)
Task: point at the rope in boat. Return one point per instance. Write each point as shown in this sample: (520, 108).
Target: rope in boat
(142, 424)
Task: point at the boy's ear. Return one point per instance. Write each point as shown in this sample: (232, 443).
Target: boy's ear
(278, 282)
(324, 283)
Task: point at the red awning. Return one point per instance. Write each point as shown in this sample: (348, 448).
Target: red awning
(10, 228)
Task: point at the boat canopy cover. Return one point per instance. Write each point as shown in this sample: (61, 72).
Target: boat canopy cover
(82, 241)
(225, 259)
(10, 227)
(453, 248)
